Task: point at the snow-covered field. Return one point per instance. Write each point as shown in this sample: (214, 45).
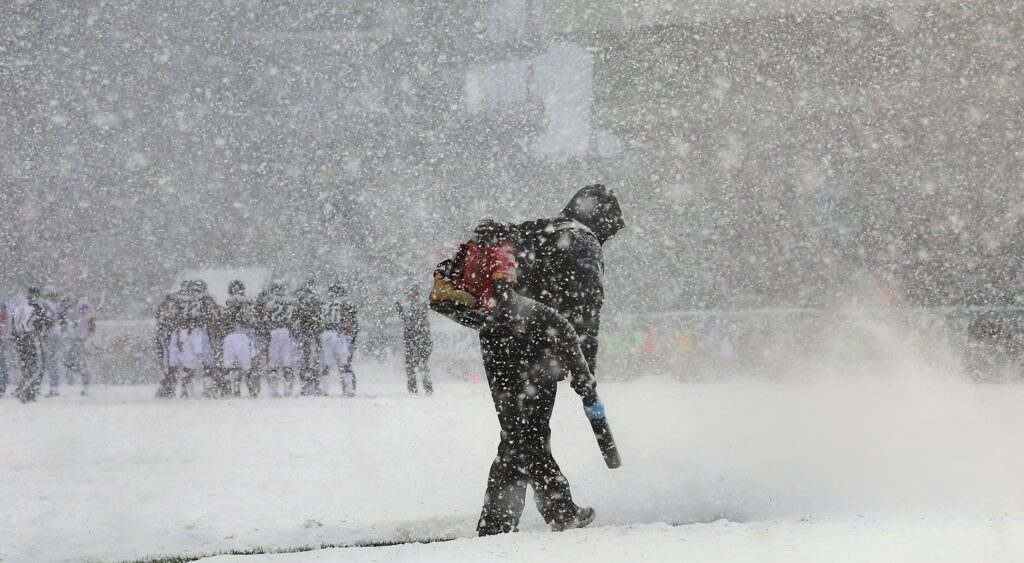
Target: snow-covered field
(908, 464)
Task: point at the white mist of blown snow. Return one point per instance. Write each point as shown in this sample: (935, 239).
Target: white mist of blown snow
(881, 421)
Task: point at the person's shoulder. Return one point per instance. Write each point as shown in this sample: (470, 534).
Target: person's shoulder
(568, 235)
(574, 227)
(537, 226)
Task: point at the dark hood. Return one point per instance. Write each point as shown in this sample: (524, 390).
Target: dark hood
(596, 207)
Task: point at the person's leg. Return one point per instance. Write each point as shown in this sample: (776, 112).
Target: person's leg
(310, 368)
(28, 357)
(505, 497)
(303, 349)
(211, 359)
(348, 379)
(168, 353)
(82, 361)
(410, 370)
(168, 384)
(22, 386)
(252, 382)
(75, 364)
(428, 385)
(250, 367)
(551, 490)
(347, 371)
(291, 351)
(275, 361)
(556, 351)
(328, 360)
(51, 351)
(316, 366)
(289, 381)
(274, 380)
(260, 363)
(186, 382)
(37, 367)
(342, 356)
(231, 384)
(70, 361)
(5, 373)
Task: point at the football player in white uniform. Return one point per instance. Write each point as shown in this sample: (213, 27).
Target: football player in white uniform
(168, 322)
(279, 313)
(308, 326)
(190, 345)
(30, 323)
(51, 342)
(334, 340)
(239, 323)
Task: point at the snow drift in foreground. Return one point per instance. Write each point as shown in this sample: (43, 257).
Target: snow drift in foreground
(924, 540)
(888, 454)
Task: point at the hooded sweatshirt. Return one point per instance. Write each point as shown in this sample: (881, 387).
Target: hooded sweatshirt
(561, 262)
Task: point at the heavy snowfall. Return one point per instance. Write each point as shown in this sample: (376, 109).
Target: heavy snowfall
(269, 269)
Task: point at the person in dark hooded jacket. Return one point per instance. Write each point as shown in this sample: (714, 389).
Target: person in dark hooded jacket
(559, 264)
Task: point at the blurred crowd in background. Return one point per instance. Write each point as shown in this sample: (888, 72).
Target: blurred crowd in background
(44, 335)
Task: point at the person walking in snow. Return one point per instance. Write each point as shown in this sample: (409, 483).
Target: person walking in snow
(560, 266)
(418, 344)
(78, 324)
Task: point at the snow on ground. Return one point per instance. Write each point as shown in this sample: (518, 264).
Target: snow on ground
(906, 465)
(919, 539)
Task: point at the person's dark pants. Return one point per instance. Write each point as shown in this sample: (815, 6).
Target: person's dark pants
(309, 373)
(168, 384)
(216, 382)
(4, 365)
(29, 354)
(169, 376)
(252, 383)
(348, 363)
(416, 361)
(186, 382)
(523, 386)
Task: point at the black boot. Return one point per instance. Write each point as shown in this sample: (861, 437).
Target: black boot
(583, 517)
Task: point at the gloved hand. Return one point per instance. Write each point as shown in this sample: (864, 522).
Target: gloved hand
(444, 290)
(595, 410)
(585, 386)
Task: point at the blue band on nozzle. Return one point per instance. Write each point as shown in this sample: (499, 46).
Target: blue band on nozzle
(594, 411)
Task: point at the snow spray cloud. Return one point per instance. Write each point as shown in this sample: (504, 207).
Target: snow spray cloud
(878, 419)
